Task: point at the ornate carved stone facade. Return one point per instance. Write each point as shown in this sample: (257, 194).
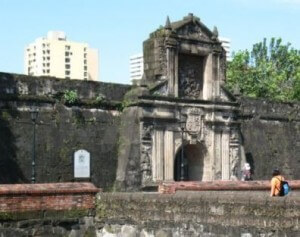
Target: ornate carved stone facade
(188, 122)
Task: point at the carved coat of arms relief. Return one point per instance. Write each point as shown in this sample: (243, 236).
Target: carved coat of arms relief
(194, 124)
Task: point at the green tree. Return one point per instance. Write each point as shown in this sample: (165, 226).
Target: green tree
(268, 71)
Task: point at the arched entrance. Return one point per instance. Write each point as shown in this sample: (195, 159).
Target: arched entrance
(191, 169)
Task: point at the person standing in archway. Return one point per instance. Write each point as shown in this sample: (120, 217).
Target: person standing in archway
(246, 172)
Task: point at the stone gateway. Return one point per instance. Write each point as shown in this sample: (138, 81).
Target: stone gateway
(188, 128)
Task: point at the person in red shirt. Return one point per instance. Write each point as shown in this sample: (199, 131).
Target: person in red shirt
(275, 183)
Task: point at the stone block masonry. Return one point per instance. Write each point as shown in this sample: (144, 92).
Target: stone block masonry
(205, 213)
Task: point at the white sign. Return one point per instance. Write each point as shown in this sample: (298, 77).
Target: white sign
(82, 164)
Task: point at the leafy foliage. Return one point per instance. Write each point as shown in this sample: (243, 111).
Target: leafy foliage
(70, 96)
(268, 71)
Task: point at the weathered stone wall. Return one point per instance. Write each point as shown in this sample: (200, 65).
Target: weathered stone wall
(61, 130)
(271, 137)
(197, 214)
(51, 87)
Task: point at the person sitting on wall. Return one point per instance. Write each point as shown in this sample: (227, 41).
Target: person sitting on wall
(246, 172)
(275, 183)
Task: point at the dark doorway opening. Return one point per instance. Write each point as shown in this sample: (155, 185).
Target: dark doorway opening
(191, 168)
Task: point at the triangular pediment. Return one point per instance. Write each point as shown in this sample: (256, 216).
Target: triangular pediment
(192, 28)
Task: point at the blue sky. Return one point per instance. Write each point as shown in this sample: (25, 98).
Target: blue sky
(119, 27)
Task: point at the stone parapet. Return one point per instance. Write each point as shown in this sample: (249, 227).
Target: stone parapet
(172, 187)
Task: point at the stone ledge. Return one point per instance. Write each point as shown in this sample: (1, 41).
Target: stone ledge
(48, 188)
(172, 187)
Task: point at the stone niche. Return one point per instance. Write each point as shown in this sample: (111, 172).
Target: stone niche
(188, 124)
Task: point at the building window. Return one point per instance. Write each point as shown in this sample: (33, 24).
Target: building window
(84, 61)
(48, 51)
(67, 54)
(85, 68)
(48, 58)
(84, 55)
(48, 71)
(68, 47)
(68, 66)
(48, 64)
(67, 60)
(67, 73)
(68, 78)
(85, 74)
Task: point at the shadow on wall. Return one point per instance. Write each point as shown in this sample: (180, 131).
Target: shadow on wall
(10, 171)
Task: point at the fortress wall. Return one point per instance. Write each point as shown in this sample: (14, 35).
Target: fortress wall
(61, 130)
(14, 84)
(271, 137)
(204, 213)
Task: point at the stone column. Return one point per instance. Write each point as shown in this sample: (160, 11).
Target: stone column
(172, 67)
(218, 154)
(158, 155)
(215, 75)
(225, 156)
(169, 156)
(208, 78)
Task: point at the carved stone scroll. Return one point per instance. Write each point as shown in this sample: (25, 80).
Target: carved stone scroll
(146, 163)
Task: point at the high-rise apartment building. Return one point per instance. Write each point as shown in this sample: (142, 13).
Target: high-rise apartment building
(226, 45)
(58, 57)
(136, 67)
